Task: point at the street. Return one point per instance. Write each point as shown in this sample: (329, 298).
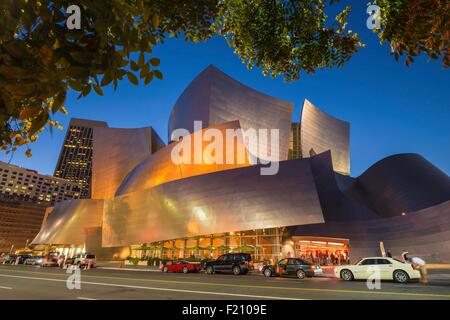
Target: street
(29, 282)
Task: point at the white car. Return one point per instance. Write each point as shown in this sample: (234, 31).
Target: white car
(385, 268)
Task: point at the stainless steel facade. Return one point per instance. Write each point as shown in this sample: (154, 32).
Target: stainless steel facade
(214, 97)
(159, 168)
(404, 183)
(231, 200)
(158, 200)
(116, 153)
(68, 222)
(320, 132)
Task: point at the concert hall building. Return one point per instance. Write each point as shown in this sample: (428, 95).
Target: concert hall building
(142, 201)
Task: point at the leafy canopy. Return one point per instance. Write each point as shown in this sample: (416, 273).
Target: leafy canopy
(40, 58)
(413, 27)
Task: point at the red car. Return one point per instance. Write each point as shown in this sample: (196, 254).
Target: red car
(181, 266)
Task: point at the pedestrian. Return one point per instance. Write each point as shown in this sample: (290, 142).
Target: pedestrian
(389, 254)
(421, 264)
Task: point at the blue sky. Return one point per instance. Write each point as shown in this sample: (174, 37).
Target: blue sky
(391, 108)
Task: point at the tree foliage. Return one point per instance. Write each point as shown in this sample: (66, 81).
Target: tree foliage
(41, 59)
(413, 27)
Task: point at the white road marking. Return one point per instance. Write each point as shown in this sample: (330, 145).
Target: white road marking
(128, 269)
(84, 298)
(7, 288)
(156, 288)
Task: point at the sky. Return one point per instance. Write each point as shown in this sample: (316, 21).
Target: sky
(391, 108)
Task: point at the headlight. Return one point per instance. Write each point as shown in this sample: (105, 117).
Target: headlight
(39, 260)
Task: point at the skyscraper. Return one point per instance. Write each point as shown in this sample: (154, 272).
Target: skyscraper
(295, 151)
(75, 158)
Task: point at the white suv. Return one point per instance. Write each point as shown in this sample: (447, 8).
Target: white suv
(85, 259)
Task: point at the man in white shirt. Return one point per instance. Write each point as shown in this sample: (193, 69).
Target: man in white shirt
(417, 263)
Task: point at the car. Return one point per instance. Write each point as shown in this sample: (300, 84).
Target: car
(389, 268)
(9, 258)
(181, 266)
(49, 260)
(34, 260)
(236, 263)
(85, 259)
(20, 259)
(69, 261)
(289, 267)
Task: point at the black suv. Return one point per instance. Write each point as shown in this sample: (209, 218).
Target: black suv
(237, 263)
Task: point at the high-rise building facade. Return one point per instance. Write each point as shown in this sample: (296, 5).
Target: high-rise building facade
(30, 186)
(75, 159)
(295, 150)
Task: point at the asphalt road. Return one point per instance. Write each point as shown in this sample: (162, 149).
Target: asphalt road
(29, 282)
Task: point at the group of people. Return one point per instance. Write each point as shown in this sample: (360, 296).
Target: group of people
(327, 257)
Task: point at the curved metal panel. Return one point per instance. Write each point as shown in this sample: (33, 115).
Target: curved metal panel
(213, 97)
(67, 223)
(159, 168)
(337, 205)
(424, 233)
(320, 132)
(116, 152)
(237, 199)
(404, 183)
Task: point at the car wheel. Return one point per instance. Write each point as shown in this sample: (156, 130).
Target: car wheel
(301, 274)
(401, 276)
(185, 270)
(209, 270)
(165, 269)
(268, 273)
(236, 270)
(346, 275)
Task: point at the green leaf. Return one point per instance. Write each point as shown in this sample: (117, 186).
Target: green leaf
(148, 78)
(158, 74)
(133, 79)
(58, 101)
(141, 60)
(38, 123)
(134, 66)
(107, 78)
(99, 90)
(76, 85)
(78, 72)
(11, 72)
(154, 62)
(9, 102)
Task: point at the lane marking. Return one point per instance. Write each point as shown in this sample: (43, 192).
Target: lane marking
(7, 288)
(84, 298)
(414, 294)
(127, 269)
(157, 289)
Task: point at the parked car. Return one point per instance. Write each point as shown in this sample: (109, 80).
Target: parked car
(237, 263)
(389, 268)
(181, 266)
(20, 259)
(293, 267)
(69, 261)
(49, 261)
(84, 259)
(9, 258)
(34, 260)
